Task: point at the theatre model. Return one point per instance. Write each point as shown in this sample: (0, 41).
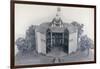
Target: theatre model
(52, 38)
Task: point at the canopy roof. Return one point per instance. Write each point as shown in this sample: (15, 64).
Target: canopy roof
(55, 25)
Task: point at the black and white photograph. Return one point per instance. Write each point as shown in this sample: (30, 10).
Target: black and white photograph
(53, 34)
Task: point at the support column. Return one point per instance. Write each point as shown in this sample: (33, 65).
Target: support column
(51, 39)
(63, 38)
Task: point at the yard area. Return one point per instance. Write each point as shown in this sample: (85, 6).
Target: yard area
(55, 56)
